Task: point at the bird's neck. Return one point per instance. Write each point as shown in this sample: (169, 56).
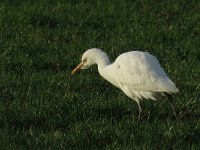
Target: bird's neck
(105, 70)
(102, 61)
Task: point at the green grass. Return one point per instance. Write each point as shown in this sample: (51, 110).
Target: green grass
(43, 107)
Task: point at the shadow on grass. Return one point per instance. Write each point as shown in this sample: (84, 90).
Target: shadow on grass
(118, 113)
(20, 68)
(12, 121)
(49, 21)
(113, 114)
(49, 66)
(5, 96)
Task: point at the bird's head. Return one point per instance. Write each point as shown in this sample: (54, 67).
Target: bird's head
(88, 59)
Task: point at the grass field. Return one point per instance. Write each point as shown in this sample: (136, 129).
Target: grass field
(43, 107)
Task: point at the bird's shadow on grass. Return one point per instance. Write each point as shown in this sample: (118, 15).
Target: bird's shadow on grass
(119, 113)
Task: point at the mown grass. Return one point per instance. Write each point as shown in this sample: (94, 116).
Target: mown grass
(44, 107)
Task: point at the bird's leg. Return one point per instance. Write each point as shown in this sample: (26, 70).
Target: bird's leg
(140, 110)
(173, 108)
(171, 103)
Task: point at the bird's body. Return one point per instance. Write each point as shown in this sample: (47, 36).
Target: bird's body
(138, 74)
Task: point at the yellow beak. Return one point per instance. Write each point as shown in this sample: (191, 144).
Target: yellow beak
(78, 67)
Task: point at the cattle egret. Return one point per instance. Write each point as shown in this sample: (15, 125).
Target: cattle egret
(138, 74)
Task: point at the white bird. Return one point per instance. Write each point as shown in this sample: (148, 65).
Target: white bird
(138, 74)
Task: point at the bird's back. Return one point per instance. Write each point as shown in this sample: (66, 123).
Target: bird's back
(141, 71)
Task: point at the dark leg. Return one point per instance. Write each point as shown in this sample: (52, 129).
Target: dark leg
(169, 96)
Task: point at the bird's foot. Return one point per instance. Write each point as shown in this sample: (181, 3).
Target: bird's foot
(139, 117)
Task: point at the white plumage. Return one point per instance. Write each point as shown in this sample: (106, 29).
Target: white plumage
(138, 74)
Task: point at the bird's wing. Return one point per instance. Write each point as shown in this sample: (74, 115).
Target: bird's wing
(141, 71)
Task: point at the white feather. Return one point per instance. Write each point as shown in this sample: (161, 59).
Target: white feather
(138, 74)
